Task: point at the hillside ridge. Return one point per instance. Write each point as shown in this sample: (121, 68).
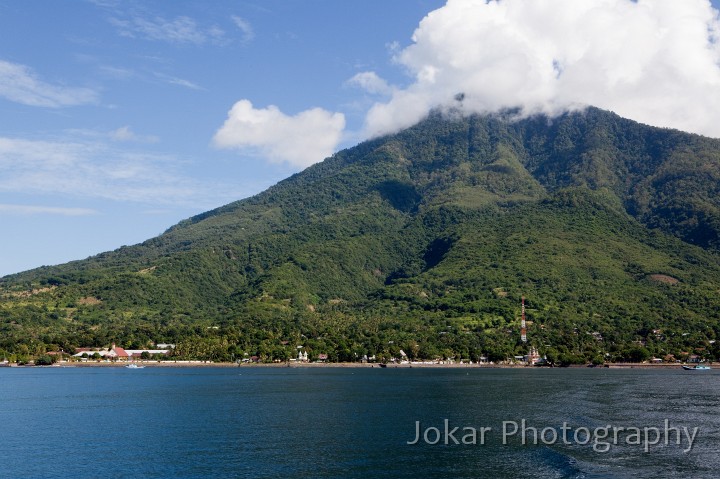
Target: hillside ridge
(422, 240)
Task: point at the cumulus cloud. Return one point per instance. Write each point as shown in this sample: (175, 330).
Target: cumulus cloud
(371, 83)
(19, 83)
(300, 140)
(655, 61)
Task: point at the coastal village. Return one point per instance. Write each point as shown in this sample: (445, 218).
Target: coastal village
(162, 354)
(166, 353)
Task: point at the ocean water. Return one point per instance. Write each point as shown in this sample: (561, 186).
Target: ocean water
(357, 423)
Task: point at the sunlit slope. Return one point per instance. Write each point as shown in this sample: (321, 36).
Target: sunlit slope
(604, 224)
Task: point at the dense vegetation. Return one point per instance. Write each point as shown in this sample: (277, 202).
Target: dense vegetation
(422, 241)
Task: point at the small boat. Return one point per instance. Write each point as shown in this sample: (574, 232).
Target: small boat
(699, 367)
(134, 366)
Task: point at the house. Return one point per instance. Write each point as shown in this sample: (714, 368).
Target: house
(136, 354)
(115, 353)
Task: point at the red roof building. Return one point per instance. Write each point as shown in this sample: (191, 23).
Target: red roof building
(120, 353)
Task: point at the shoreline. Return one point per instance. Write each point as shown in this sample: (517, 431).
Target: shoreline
(210, 364)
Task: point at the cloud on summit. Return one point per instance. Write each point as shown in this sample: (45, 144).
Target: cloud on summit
(654, 61)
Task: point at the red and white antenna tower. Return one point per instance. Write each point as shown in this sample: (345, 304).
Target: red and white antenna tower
(523, 329)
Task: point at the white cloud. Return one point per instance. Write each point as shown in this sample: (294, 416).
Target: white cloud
(117, 72)
(655, 61)
(371, 83)
(300, 140)
(181, 29)
(178, 81)
(245, 27)
(18, 83)
(128, 74)
(124, 133)
(48, 210)
(94, 169)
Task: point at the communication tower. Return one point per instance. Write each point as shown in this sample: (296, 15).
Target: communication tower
(523, 329)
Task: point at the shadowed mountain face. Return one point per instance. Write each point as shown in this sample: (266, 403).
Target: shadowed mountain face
(423, 241)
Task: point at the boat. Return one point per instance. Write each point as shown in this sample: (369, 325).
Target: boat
(699, 367)
(134, 366)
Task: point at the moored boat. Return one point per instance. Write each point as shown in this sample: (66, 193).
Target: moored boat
(699, 367)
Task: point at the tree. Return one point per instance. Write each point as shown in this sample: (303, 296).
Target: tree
(44, 360)
(636, 354)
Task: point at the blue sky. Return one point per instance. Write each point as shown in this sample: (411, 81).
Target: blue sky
(120, 118)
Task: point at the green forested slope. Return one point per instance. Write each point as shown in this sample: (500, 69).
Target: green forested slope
(425, 241)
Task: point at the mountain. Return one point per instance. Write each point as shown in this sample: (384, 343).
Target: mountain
(423, 241)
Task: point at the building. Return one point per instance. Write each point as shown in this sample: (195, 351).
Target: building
(115, 353)
(136, 354)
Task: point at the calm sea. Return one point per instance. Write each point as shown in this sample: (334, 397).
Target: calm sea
(356, 423)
